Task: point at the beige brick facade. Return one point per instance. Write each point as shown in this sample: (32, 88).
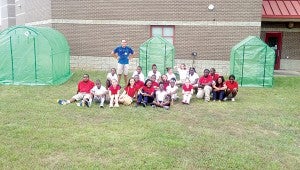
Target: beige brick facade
(290, 54)
(93, 28)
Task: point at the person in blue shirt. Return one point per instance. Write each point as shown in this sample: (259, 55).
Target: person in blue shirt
(123, 54)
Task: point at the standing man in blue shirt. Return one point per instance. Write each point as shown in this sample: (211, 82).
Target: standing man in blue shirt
(123, 54)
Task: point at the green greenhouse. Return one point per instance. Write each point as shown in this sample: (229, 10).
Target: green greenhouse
(252, 63)
(33, 56)
(156, 50)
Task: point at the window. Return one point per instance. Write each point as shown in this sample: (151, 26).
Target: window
(166, 32)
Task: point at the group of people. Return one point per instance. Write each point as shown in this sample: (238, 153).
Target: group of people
(154, 89)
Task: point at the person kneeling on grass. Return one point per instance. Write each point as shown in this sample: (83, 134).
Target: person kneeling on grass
(98, 92)
(114, 91)
(83, 93)
(145, 94)
(232, 88)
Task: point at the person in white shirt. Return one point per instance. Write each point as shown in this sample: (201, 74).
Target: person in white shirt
(155, 72)
(183, 73)
(193, 77)
(172, 90)
(98, 92)
(139, 72)
(110, 76)
(160, 100)
(170, 73)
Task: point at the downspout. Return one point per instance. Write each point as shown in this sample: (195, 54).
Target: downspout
(12, 60)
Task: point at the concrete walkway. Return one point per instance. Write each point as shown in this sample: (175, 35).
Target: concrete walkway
(286, 73)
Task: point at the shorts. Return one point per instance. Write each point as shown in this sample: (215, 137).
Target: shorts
(122, 68)
(81, 96)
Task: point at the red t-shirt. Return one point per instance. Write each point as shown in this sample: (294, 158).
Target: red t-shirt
(204, 80)
(130, 91)
(154, 84)
(138, 84)
(147, 90)
(215, 77)
(114, 90)
(187, 88)
(85, 87)
(233, 85)
(166, 84)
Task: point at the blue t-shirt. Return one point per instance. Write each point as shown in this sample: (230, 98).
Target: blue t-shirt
(123, 53)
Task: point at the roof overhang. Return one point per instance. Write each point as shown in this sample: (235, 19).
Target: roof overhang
(281, 10)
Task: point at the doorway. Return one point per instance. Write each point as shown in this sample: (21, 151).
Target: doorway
(274, 40)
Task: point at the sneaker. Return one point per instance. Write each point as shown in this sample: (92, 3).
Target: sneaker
(225, 99)
(116, 105)
(61, 102)
(144, 104)
(89, 103)
(101, 105)
(86, 103)
(167, 107)
(111, 106)
(79, 104)
(136, 105)
(232, 99)
(153, 106)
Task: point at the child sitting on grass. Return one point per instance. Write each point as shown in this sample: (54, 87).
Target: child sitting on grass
(172, 90)
(98, 92)
(166, 103)
(187, 91)
(114, 91)
(145, 94)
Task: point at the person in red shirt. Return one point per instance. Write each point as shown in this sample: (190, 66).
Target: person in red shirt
(213, 74)
(204, 86)
(137, 82)
(165, 81)
(145, 94)
(83, 92)
(187, 91)
(129, 93)
(114, 91)
(154, 84)
(232, 88)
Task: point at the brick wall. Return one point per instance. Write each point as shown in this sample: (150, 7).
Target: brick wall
(32, 10)
(191, 10)
(290, 38)
(8, 15)
(212, 39)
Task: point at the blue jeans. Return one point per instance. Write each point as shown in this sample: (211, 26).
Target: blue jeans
(145, 99)
(218, 95)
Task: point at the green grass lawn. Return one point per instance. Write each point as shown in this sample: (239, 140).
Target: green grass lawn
(261, 130)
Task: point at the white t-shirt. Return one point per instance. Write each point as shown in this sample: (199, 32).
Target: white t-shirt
(171, 89)
(141, 76)
(160, 95)
(96, 91)
(193, 78)
(183, 74)
(150, 73)
(111, 77)
(170, 76)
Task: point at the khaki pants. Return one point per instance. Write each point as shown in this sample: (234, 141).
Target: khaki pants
(205, 92)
